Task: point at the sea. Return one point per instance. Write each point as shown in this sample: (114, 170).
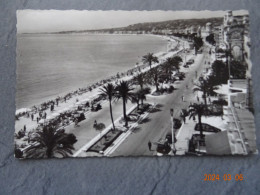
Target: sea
(49, 65)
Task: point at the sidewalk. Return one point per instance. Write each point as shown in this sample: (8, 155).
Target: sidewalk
(184, 135)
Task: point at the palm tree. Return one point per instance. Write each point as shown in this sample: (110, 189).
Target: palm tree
(198, 109)
(136, 99)
(176, 60)
(123, 90)
(206, 87)
(150, 58)
(109, 92)
(140, 79)
(49, 143)
(168, 67)
(153, 77)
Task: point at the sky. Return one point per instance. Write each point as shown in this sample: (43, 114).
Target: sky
(35, 21)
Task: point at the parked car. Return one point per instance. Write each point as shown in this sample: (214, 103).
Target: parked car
(96, 107)
(81, 117)
(186, 66)
(163, 148)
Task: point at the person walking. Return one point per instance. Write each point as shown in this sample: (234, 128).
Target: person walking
(182, 97)
(198, 99)
(24, 128)
(149, 145)
(32, 117)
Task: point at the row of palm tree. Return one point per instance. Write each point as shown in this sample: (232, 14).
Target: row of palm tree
(171, 64)
(50, 143)
(154, 74)
(124, 89)
(121, 91)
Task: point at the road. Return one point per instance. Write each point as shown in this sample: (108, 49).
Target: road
(158, 124)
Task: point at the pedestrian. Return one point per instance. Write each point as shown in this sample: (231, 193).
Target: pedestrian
(186, 86)
(209, 100)
(24, 128)
(76, 122)
(194, 119)
(198, 99)
(45, 115)
(37, 119)
(149, 145)
(32, 117)
(182, 97)
(184, 119)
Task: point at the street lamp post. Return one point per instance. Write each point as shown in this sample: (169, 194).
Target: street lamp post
(173, 133)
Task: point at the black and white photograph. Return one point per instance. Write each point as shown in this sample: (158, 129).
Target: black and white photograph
(133, 83)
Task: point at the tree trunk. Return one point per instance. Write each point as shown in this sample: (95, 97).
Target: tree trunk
(111, 114)
(200, 125)
(156, 84)
(141, 86)
(124, 110)
(205, 97)
(205, 100)
(49, 152)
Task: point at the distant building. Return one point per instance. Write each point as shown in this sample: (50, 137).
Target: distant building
(208, 29)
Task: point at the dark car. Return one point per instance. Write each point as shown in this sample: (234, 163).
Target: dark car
(81, 117)
(96, 107)
(191, 61)
(163, 148)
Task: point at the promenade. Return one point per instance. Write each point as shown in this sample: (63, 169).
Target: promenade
(85, 132)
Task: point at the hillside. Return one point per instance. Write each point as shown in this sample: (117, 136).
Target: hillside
(172, 24)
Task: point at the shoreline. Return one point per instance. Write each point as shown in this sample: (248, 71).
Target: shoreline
(84, 89)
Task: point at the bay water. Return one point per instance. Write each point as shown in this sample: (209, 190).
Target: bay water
(49, 65)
